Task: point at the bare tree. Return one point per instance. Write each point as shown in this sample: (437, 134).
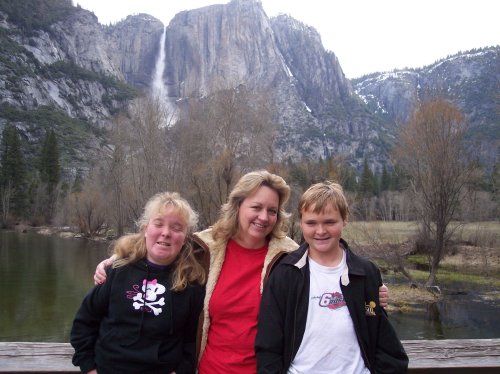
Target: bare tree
(368, 240)
(88, 209)
(147, 146)
(138, 162)
(219, 138)
(432, 151)
(115, 164)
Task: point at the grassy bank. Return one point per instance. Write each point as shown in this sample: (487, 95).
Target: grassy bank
(471, 263)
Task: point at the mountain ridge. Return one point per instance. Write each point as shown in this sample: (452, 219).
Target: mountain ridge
(320, 112)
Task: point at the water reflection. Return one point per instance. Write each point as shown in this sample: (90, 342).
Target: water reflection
(43, 280)
(456, 317)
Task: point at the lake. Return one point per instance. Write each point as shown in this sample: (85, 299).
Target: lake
(43, 280)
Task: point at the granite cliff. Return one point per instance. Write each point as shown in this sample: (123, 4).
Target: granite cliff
(86, 72)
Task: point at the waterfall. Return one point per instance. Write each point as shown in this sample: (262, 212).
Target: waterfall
(158, 86)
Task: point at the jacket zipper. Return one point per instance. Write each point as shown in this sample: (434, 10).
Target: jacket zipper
(294, 335)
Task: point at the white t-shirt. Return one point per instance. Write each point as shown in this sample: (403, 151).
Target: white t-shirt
(329, 344)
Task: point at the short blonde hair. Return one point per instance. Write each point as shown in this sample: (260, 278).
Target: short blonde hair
(227, 225)
(132, 248)
(319, 195)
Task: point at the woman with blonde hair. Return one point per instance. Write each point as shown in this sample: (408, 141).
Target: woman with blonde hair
(249, 237)
(144, 318)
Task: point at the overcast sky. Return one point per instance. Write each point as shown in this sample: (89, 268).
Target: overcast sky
(365, 35)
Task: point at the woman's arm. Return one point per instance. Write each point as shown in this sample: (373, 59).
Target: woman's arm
(100, 270)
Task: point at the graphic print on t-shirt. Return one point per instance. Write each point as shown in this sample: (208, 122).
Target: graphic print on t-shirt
(332, 300)
(148, 298)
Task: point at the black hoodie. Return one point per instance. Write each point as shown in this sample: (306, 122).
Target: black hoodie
(121, 329)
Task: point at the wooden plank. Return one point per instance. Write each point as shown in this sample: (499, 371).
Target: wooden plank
(26, 357)
(453, 353)
(458, 356)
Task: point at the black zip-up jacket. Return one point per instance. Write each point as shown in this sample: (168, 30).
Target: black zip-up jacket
(120, 329)
(283, 315)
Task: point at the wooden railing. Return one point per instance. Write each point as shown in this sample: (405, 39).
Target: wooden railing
(457, 356)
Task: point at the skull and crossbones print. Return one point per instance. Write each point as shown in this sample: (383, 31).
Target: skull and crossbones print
(148, 298)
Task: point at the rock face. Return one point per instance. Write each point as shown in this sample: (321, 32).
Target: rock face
(317, 72)
(81, 39)
(81, 68)
(471, 80)
(220, 46)
(42, 70)
(132, 46)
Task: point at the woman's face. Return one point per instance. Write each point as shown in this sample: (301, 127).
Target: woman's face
(257, 216)
(165, 235)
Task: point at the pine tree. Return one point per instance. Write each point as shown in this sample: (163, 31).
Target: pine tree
(50, 170)
(385, 180)
(398, 179)
(349, 181)
(50, 173)
(495, 186)
(367, 185)
(13, 174)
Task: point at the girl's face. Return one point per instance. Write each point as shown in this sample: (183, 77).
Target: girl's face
(165, 235)
(257, 216)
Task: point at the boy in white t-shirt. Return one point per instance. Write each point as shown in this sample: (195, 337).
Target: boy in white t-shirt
(320, 309)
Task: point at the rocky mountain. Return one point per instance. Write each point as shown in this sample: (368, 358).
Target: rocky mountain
(72, 73)
(471, 80)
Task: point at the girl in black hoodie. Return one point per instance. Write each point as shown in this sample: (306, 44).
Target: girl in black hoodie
(144, 318)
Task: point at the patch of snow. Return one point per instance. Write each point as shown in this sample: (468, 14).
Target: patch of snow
(288, 71)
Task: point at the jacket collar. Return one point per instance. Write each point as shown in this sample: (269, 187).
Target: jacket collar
(216, 250)
(144, 266)
(299, 258)
(213, 252)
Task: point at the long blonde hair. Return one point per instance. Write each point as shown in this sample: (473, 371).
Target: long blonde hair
(132, 248)
(227, 225)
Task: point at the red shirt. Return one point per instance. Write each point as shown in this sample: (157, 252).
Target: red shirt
(233, 310)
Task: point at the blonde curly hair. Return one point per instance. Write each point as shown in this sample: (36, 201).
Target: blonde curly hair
(132, 248)
(227, 225)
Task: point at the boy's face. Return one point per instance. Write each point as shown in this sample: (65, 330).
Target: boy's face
(322, 231)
